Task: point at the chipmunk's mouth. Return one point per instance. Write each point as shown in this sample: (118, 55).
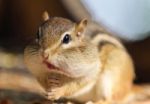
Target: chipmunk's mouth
(50, 66)
(53, 68)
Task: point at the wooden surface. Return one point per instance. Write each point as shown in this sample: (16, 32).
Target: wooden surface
(19, 87)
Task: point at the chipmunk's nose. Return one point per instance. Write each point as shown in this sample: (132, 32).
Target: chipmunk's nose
(49, 53)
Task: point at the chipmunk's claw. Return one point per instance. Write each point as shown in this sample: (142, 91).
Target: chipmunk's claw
(55, 94)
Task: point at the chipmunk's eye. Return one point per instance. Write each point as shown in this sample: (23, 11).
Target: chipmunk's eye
(66, 39)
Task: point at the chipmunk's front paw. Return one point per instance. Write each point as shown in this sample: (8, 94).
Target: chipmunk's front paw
(55, 93)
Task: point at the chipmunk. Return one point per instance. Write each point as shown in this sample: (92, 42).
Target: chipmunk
(69, 65)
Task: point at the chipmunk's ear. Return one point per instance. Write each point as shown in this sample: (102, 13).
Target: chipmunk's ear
(81, 27)
(45, 16)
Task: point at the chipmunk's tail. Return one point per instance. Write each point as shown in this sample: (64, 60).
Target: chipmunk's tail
(139, 93)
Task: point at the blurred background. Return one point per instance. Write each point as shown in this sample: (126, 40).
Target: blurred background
(128, 20)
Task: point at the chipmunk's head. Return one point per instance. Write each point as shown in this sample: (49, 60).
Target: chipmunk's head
(58, 31)
(63, 48)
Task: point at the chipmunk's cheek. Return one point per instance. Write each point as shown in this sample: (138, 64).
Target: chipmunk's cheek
(72, 69)
(62, 65)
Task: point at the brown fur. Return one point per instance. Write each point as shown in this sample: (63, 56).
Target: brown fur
(82, 72)
(110, 57)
